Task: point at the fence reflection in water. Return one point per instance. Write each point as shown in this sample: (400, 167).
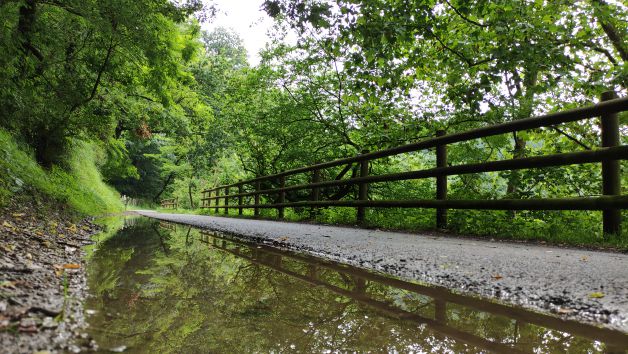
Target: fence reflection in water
(433, 306)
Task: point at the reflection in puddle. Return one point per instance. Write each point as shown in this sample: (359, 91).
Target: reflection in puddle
(160, 287)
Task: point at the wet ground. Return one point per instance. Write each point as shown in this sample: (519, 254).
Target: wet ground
(583, 285)
(168, 288)
(42, 279)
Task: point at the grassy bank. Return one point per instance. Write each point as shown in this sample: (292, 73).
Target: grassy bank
(76, 182)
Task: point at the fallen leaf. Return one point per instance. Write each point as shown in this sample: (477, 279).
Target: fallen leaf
(7, 248)
(71, 266)
(29, 329)
(496, 276)
(6, 283)
(584, 258)
(17, 215)
(72, 228)
(596, 295)
(7, 224)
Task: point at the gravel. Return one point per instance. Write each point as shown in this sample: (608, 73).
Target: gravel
(583, 285)
(42, 280)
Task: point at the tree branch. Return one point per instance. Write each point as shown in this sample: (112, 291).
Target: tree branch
(617, 39)
(558, 130)
(475, 23)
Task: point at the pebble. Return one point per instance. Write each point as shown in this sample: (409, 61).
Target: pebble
(49, 322)
(28, 322)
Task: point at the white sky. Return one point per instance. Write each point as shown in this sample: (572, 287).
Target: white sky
(247, 19)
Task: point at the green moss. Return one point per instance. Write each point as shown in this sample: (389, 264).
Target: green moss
(78, 183)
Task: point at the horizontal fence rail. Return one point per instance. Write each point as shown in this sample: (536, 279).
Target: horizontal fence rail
(611, 202)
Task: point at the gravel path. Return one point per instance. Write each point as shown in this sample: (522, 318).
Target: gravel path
(590, 286)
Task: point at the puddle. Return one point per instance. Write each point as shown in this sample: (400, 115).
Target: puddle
(158, 287)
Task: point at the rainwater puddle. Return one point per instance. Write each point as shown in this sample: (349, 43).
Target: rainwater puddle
(163, 288)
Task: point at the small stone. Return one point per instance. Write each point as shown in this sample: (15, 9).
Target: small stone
(49, 322)
(28, 322)
(3, 306)
(119, 349)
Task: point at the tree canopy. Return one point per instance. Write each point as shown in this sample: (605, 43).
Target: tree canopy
(179, 109)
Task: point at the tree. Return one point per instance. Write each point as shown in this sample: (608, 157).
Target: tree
(74, 69)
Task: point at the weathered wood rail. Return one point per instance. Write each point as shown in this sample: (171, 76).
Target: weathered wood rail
(611, 202)
(170, 203)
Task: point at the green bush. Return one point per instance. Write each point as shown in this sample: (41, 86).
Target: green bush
(77, 183)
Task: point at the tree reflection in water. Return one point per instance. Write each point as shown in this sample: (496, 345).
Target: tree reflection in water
(170, 288)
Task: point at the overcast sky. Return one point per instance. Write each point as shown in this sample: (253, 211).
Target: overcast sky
(247, 19)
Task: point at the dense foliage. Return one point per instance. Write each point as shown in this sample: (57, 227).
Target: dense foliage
(178, 109)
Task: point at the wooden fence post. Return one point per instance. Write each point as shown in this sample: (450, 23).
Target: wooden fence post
(256, 209)
(363, 189)
(441, 182)
(240, 199)
(217, 201)
(316, 192)
(226, 211)
(176, 203)
(440, 311)
(282, 197)
(611, 178)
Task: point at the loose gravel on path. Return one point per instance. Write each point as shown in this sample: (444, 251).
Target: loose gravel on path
(42, 280)
(590, 286)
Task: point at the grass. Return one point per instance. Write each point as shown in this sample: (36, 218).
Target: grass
(77, 184)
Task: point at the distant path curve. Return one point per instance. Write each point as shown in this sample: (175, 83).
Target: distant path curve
(537, 277)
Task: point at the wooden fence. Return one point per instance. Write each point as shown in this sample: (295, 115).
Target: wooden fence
(170, 203)
(611, 202)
